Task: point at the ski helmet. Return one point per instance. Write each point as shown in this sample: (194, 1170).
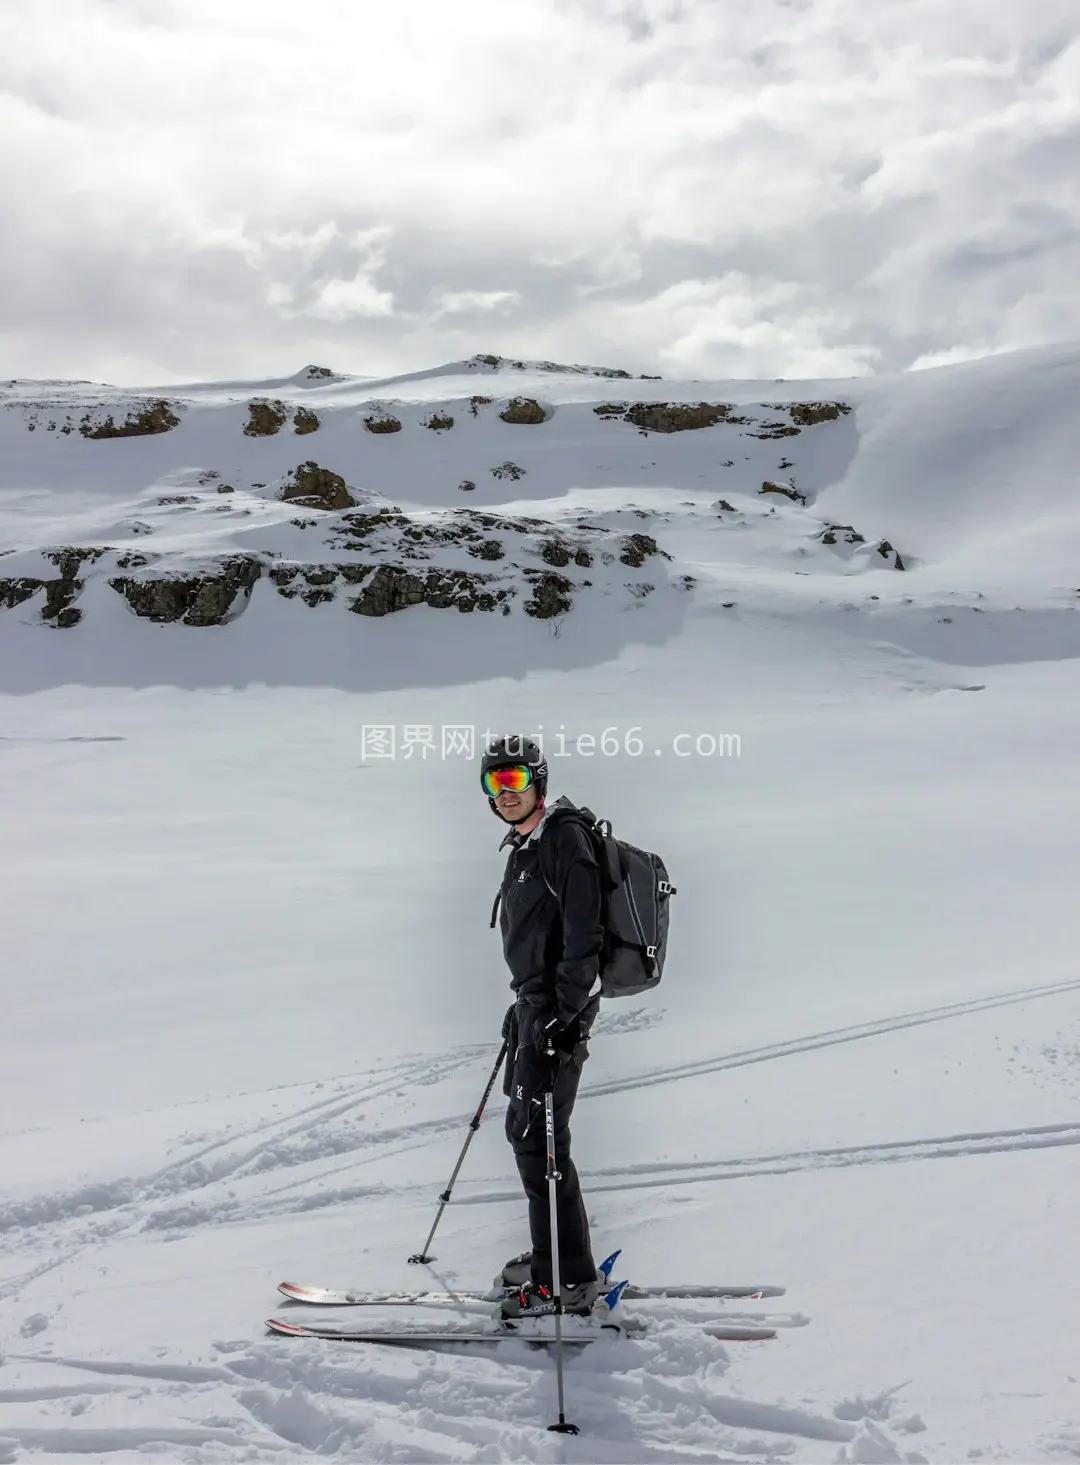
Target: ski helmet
(503, 752)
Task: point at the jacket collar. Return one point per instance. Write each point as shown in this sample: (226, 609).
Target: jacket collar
(512, 837)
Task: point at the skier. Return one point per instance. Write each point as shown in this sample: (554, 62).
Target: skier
(550, 920)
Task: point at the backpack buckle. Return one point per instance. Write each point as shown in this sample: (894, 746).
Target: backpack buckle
(650, 952)
(665, 887)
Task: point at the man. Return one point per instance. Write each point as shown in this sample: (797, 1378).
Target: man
(550, 920)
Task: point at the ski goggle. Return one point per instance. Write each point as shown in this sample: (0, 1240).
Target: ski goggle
(516, 777)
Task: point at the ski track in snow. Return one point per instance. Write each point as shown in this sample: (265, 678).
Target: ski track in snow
(306, 1396)
(181, 1195)
(445, 1403)
(824, 1040)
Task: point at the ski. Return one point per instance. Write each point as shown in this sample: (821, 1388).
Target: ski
(680, 1290)
(337, 1297)
(499, 1333)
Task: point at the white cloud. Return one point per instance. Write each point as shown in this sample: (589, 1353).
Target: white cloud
(465, 302)
(201, 189)
(342, 299)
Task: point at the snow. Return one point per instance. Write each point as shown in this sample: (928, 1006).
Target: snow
(252, 1000)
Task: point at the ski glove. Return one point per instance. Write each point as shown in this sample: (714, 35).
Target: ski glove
(563, 1037)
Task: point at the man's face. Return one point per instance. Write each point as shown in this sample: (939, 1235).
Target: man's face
(514, 806)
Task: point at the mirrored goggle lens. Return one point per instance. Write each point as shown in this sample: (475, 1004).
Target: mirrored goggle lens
(515, 778)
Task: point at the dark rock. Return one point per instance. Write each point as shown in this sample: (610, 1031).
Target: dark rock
(380, 423)
(197, 600)
(524, 411)
(156, 417)
(775, 429)
(785, 489)
(806, 414)
(439, 422)
(265, 418)
(15, 591)
(555, 553)
(676, 416)
(305, 421)
(638, 547)
(552, 595)
(829, 534)
(392, 588)
(317, 488)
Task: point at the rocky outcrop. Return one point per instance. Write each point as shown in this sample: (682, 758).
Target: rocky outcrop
(313, 487)
(523, 411)
(205, 599)
(388, 531)
(393, 587)
(58, 608)
(786, 489)
(489, 360)
(316, 582)
(439, 422)
(845, 532)
(305, 421)
(382, 422)
(684, 416)
(553, 595)
(638, 547)
(807, 414)
(667, 416)
(156, 416)
(18, 588)
(265, 418)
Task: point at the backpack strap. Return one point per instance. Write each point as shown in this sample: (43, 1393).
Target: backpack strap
(600, 830)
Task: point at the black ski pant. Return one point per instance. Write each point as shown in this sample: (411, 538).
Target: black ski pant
(529, 1075)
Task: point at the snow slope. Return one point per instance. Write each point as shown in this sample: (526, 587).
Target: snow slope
(252, 998)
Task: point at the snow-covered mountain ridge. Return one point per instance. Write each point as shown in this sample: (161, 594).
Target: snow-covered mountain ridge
(542, 494)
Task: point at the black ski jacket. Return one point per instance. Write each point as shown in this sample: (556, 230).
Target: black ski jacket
(552, 937)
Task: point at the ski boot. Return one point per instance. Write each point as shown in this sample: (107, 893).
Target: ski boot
(517, 1271)
(533, 1299)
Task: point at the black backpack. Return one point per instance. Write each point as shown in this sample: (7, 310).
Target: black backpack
(635, 890)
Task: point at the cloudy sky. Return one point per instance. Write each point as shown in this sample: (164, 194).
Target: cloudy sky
(195, 189)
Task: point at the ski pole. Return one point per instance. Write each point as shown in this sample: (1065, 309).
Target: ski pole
(553, 1176)
(474, 1125)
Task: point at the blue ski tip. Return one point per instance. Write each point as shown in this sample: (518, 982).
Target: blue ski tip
(612, 1297)
(608, 1262)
